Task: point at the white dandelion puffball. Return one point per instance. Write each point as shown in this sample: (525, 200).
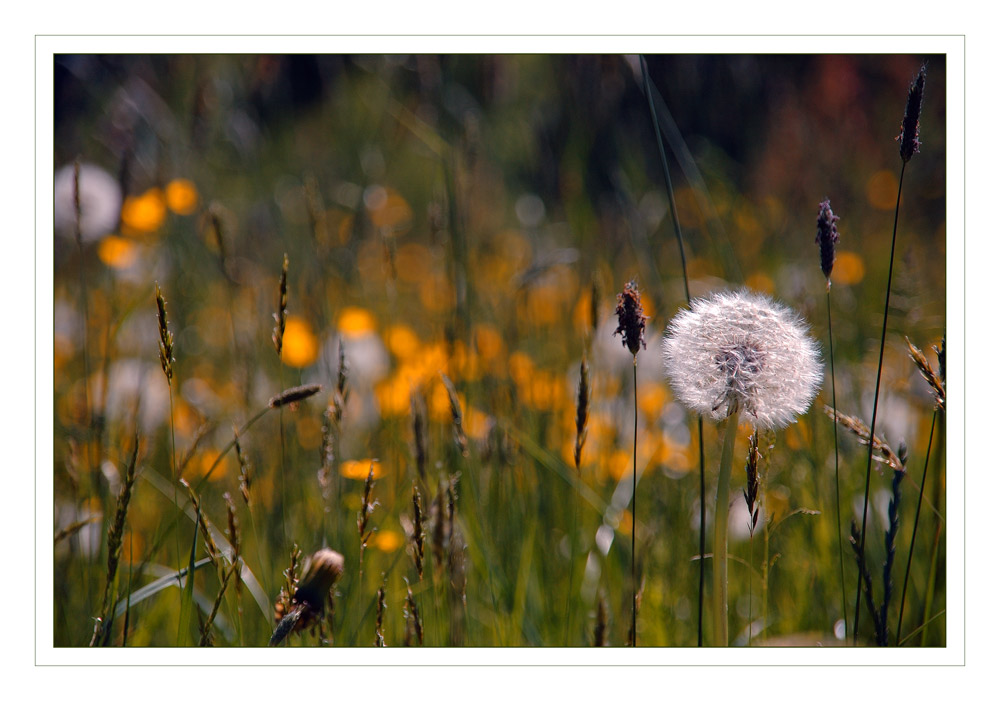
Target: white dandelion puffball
(742, 352)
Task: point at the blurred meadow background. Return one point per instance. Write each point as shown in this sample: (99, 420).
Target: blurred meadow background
(456, 231)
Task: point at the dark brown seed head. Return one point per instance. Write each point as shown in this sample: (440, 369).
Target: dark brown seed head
(910, 129)
(295, 394)
(631, 322)
(582, 412)
(826, 236)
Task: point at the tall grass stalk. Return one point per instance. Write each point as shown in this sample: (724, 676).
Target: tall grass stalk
(913, 537)
(908, 146)
(277, 337)
(827, 237)
(687, 294)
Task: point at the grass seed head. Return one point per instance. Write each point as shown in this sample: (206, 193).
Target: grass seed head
(631, 321)
(295, 394)
(909, 131)
(166, 338)
(278, 335)
(826, 237)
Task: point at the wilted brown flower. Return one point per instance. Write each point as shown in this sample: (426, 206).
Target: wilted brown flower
(631, 321)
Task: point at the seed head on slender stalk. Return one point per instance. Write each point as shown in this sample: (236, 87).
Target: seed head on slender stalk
(278, 335)
(166, 338)
(246, 474)
(379, 613)
(115, 538)
(461, 442)
(907, 147)
(826, 238)
(368, 505)
(418, 533)
(632, 326)
(582, 412)
(886, 454)
(293, 395)
(932, 378)
(414, 626)
(909, 130)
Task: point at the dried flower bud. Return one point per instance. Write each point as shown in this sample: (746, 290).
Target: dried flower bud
(631, 322)
(826, 236)
(910, 129)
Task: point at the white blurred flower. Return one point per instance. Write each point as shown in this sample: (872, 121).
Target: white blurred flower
(744, 352)
(100, 202)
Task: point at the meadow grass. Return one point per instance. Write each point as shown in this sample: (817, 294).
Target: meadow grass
(415, 451)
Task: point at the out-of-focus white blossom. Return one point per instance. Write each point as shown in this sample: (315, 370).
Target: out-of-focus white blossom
(100, 202)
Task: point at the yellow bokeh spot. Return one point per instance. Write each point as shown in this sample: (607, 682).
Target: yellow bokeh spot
(402, 341)
(436, 293)
(652, 398)
(145, 213)
(117, 252)
(358, 469)
(882, 189)
(309, 432)
(619, 464)
(848, 268)
(204, 463)
(476, 424)
(355, 322)
(439, 404)
(388, 210)
(521, 367)
(387, 541)
(393, 396)
(489, 343)
(760, 283)
(413, 262)
(182, 196)
(299, 347)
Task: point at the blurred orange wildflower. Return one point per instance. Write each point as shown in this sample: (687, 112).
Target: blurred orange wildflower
(355, 322)
(182, 196)
(358, 469)
(145, 213)
(300, 347)
(117, 252)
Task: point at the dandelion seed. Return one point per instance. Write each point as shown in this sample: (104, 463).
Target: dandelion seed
(742, 353)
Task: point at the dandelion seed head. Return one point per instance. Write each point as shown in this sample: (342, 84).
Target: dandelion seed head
(742, 353)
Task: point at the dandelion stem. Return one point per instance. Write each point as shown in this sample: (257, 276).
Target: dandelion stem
(719, 553)
(836, 457)
(878, 382)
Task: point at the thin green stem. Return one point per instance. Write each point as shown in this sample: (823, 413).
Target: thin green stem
(687, 295)
(635, 441)
(720, 592)
(836, 456)
(913, 538)
(878, 382)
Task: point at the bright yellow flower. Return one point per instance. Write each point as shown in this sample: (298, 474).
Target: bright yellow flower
(355, 322)
(300, 347)
(117, 252)
(358, 469)
(848, 269)
(182, 197)
(402, 341)
(387, 541)
(145, 213)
